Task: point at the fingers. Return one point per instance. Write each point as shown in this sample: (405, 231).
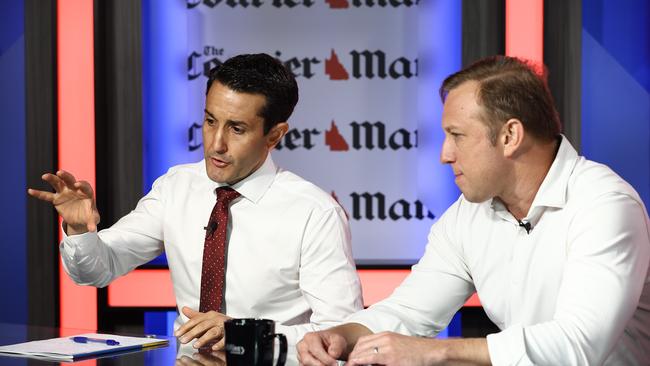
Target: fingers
(221, 345)
(41, 195)
(63, 180)
(307, 359)
(367, 344)
(210, 333)
(336, 346)
(66, 177)
(54, 181)
(189, 312)
(369, 359)
(85, 188)
(207, 327)
(312, 352)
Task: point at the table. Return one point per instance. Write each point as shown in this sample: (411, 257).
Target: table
(173, 355)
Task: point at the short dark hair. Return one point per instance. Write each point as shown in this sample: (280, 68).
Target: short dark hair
(509, 87)
(260, 74)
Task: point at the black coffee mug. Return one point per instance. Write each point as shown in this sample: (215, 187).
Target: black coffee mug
(249, 342)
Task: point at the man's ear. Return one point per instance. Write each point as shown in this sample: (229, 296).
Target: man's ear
(276, 133)
(512, 137)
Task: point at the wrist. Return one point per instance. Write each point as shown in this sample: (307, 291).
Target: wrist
(74, 229)
(465, 351)
(439, 351)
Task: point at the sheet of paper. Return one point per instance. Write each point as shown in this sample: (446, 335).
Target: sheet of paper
(66, 349)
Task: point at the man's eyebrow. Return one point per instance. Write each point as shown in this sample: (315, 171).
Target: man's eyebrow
(231, 121)
(209, 114)
(239, 123)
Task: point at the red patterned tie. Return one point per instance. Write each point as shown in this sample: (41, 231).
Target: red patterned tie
(213, 273)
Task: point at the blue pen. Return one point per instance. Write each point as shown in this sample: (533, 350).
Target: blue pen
(108, 342)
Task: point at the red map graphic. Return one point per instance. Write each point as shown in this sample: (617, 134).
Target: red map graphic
(337, 201)
(334, 69)
(335, 140)
(338, 4)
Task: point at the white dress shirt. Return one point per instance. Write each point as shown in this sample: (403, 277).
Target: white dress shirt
(575, 291)
(288, 259)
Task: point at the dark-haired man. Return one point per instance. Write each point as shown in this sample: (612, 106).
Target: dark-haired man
(242, 237)
(557, 247)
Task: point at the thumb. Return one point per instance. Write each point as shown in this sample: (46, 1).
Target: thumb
(336, 346)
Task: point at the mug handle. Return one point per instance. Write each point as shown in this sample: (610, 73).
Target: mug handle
(282, 357)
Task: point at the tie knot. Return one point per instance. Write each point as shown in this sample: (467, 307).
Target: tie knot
(226, 194)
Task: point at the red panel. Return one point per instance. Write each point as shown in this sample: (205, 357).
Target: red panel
(525, 29)
(153, 287)
(473, 301)
(377, 284)
(142, 288)
(76, 139)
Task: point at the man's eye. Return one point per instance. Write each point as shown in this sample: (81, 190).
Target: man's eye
(209, 121)
(237, 130)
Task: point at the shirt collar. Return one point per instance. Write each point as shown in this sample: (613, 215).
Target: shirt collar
(552, 191)
(255, 185)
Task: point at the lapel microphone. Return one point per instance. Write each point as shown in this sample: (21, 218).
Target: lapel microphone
(211, 228)
(526, 225)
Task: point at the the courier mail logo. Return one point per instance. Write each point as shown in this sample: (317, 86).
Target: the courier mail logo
(354, 64)
(376, 206)
(333, 4)
(362, 135)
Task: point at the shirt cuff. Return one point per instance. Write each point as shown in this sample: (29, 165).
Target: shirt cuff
(75, 244)
(507, 347)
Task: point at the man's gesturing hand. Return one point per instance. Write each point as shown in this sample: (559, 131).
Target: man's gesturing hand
(321, 348)
(207, 327)
(74, 201)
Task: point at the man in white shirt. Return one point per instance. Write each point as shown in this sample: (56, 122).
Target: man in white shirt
(288, 254)
(556, 246)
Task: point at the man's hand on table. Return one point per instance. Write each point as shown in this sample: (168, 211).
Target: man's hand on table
(388, 348)
(324, 348)
(393, 349)
(206, 328)
(321, 348)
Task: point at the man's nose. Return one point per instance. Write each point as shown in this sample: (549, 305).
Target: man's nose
(447, 154)
(219, 144)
